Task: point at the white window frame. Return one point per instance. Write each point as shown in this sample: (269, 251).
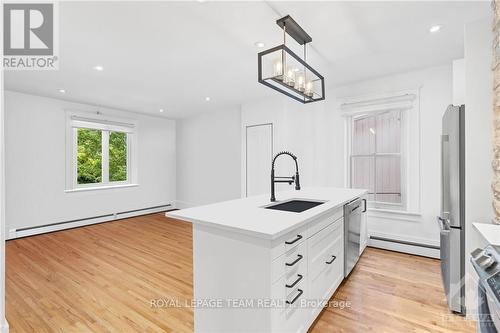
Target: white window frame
(107, 124)
(407, 102)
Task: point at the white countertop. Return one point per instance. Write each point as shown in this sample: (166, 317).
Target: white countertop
(247, 215)
(490, 232)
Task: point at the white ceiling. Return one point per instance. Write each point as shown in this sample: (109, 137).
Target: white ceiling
(172, 55)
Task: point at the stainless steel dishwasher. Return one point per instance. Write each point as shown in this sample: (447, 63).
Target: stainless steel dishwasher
(352, 231)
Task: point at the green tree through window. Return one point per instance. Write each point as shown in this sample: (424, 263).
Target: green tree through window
(96, 146)
(89, 158)
(117, 156)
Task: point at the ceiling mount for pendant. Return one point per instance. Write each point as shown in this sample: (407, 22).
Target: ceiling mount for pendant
(283, 70)
(292, 28)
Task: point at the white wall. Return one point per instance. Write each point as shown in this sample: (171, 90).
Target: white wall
(313, 132)
(208, 158)
(4, 325)
(35, 130)
(459, 82)
(478, 140)
(210, 148)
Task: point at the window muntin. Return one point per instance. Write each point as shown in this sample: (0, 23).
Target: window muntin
(376, 157)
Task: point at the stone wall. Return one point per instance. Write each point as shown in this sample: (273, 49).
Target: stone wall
(496, 109)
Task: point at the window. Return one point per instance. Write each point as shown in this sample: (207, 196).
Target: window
(382, 154)
(100, 152)
(376, 159)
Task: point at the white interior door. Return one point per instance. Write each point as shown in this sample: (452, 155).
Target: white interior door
(259, 154)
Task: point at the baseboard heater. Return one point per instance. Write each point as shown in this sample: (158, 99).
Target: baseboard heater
(409, 247)
(398, 241)
(49, 227)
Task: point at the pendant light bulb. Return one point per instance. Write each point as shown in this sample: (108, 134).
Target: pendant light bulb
(309, 88)
(278, 69)
(290, 76)
(300, 86)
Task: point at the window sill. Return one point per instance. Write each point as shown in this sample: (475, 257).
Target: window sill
(392, 211)
(98, 188)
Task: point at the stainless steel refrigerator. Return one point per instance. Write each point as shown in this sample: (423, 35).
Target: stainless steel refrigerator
(452, 217)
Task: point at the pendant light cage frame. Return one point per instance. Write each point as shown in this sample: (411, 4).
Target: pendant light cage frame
(300, 82)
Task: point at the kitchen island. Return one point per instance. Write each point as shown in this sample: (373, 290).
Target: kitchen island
(264, 270)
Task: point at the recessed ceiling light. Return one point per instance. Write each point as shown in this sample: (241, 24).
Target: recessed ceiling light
(99, 68)
(435, 28)
(62, 91)
(207, 99)
(161, 110)
(260, 44)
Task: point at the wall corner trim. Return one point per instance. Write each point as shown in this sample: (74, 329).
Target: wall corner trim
(5, 326)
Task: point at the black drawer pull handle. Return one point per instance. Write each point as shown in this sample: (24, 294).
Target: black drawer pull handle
(299, 256)
(296, 297)
(331, 261)
(295, 283)
(299, 237)
(364, 210)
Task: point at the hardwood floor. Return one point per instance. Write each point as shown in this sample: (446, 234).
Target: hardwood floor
(392, 292)
(103, 278)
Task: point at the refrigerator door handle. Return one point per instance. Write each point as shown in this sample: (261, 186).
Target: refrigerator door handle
(444, 224)
(445, 138)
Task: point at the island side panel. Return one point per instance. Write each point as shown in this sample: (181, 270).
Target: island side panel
(364, 227)
(230, 266)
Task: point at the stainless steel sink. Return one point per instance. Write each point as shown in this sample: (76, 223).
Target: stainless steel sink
(295, 205)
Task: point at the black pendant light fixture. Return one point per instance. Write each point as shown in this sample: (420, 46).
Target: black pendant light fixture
(284, 71)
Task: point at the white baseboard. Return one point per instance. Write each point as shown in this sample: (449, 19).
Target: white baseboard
(23, 232)
(404, 248)
(179, 204)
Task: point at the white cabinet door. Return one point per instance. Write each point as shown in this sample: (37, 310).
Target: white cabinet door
(326, 260)
(259, 154)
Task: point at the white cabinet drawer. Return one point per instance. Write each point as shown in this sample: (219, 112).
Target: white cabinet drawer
(289, 241)
(290, 264)
(323, 222)
(325, 281)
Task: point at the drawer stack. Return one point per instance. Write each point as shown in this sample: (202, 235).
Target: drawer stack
(307, 268)
(290, 285)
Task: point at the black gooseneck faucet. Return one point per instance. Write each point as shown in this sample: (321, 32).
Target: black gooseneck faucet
(288, 180)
